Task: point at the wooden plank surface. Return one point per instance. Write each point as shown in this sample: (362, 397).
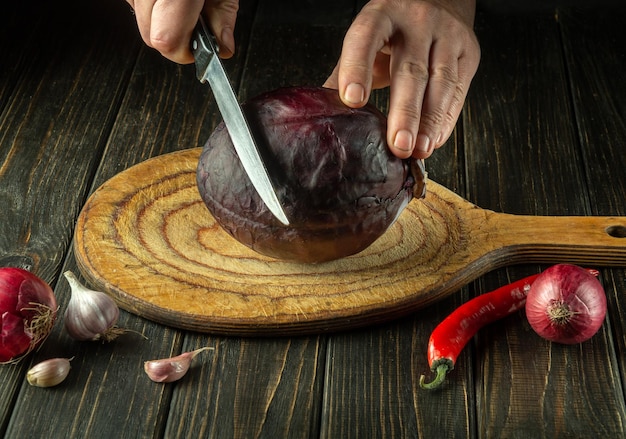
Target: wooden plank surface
(59, 64)
(542, 133)
(48, 141)
(594, 51)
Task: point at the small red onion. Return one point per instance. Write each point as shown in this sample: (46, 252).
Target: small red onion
(566, 304)
(28, 310)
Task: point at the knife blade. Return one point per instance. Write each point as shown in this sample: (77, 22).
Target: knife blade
(209, 69)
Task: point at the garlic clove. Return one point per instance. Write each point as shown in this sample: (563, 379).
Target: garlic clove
(90, 314)
(171, 369)
(49, 373)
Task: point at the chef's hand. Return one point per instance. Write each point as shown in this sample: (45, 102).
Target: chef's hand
(426, 51)
(167, 25)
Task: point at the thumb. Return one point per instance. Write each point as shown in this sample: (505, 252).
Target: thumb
(221, 16)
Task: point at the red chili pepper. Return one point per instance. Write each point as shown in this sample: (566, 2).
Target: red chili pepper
(453, 333)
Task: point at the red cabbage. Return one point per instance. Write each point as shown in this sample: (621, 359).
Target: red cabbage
(339, 184)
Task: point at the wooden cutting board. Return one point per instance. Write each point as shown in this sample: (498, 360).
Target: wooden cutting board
(146, 238)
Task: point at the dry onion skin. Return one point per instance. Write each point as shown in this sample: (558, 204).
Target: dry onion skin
(28, 310)
(566, 304)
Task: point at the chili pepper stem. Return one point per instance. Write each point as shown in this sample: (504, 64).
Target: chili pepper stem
(441, 371)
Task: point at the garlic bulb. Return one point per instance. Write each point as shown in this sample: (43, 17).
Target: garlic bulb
(49, 373)
(167, 370)
(90, 315)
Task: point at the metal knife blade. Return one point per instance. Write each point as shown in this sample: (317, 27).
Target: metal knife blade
(210, 69)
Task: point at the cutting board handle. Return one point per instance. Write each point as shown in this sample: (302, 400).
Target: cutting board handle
(552, 239)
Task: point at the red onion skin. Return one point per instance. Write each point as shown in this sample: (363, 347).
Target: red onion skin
(575, 291)
(24, 298)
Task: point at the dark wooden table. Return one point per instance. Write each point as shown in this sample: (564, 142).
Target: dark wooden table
(543, 133)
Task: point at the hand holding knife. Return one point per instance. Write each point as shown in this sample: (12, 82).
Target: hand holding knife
(210, 69)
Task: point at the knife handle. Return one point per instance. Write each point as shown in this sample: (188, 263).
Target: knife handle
(204, 48)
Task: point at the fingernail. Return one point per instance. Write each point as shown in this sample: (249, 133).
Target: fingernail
(423, 143)
(403, 141)
(355, 93)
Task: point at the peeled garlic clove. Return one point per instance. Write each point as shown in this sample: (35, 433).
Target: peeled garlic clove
(90, 315)
(167, 370)
(49, 373)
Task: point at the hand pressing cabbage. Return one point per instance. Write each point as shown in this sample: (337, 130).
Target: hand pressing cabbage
(339, 184)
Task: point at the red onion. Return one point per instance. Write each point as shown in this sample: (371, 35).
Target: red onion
(28, 310)
(566, 304)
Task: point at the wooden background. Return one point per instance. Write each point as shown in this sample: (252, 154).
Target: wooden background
(542, 133)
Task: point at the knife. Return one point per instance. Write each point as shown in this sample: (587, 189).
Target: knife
(209, 69)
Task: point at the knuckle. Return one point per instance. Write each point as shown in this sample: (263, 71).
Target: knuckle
(163, 44)
(226, 7)
(444, 73)
(170, 48)
(411, 111)
(414, 69)
(457, 102)
(433, 118)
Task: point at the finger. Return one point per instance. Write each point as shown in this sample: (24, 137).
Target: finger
(442, 88)
(143, 16)
(171, 25)
(222, 15)
(364, 39)
(409, 78)
(467, 66)
(380, 73)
